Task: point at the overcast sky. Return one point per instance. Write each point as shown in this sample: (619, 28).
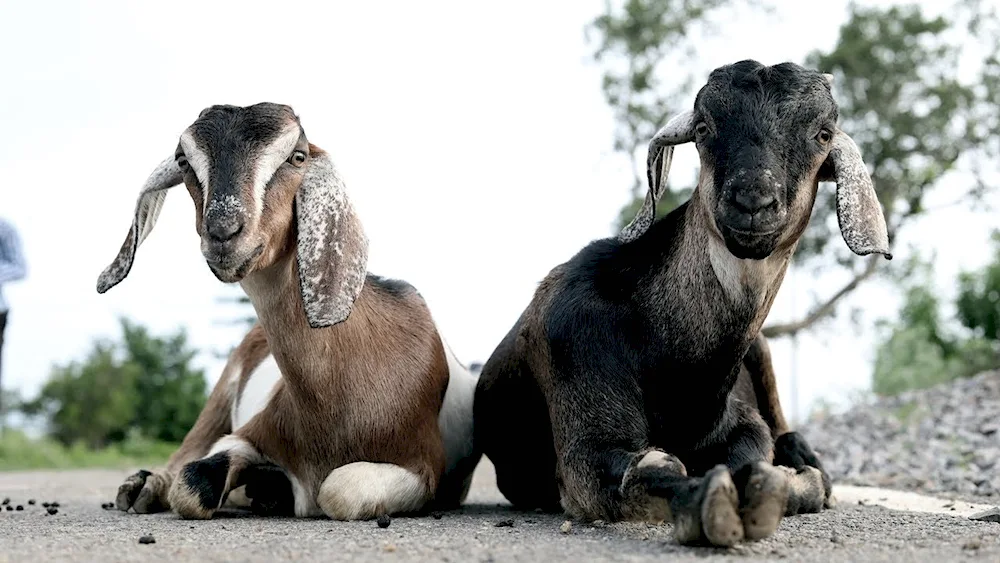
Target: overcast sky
(473, 138)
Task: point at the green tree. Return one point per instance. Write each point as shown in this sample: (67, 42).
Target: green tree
(915, 120)
(92, 402)
(634, 42)
(169, 392)
(141, 384)
(921, 348)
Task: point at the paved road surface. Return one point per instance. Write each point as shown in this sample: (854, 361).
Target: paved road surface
(82, 531)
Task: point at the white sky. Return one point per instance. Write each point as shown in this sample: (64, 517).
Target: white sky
(473, 136)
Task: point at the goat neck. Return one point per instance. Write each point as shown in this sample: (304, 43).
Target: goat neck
(304, 354)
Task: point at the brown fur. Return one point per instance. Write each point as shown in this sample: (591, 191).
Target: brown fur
(379, 403)
(368, 388)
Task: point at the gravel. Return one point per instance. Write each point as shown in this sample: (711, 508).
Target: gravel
(944, 440)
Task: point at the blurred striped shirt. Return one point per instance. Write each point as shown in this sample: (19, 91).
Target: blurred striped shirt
(12, 265)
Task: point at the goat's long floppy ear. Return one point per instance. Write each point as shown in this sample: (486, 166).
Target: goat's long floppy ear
(147, 209)
(858, 210)
(677, 131)
(333, 248)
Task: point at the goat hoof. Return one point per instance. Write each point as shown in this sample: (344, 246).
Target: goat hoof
(764, 491)
(792, 450)
(143, 492)
(719, 515)
(200, 487)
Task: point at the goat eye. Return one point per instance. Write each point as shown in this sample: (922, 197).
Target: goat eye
(182, 163)
(824, 136)
(701, 129)
(298, 158)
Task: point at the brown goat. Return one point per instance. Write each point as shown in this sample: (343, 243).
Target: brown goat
(344, 400)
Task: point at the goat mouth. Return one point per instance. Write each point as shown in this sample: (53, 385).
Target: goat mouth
(753, 234)
(755, 245)
(231, 269)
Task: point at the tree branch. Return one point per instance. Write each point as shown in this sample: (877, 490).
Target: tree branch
(825, 309)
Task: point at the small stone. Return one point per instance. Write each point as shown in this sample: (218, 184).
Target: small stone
(383, 521)
(52, 510)
(509, 523)
(972, 545)
(389, 548)
(566, 527)
(989, 515)
(147, 539)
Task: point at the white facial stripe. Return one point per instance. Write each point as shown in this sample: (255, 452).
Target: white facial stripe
(268, 162)
(198, 160)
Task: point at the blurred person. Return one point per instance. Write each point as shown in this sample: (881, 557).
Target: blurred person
(12, 268)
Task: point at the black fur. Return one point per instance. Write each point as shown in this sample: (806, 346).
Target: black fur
(395, 287)
(792, 450)
(206, 478)
(644, 346)
(749, 109)
(269, 490)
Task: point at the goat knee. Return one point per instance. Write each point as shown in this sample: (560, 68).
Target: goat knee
(364, 490)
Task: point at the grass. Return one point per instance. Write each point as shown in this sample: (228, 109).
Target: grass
(19, 452)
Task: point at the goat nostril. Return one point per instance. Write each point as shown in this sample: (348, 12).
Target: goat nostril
(225, 231)
(752, 203)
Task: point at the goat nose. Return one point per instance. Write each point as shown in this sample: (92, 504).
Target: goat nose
(752, 202)
(222, 231)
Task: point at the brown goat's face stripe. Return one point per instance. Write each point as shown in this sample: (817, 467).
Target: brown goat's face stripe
(234, 154)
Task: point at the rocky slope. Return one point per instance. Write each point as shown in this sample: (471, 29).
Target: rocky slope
(944, 440)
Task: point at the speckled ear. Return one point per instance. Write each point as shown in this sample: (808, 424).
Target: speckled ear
(147, 209)
(678, 130)
(332, 246)
(858, 210)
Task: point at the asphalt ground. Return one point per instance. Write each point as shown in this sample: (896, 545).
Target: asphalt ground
(485, 529)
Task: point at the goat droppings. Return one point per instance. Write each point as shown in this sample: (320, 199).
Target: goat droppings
(384, 521)
(147, 539)
(52, 511)
(31, 501)
(19, 507)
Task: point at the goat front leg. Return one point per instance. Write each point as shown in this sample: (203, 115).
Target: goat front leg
(146, 491)
(790, 448)
(767, 491)
(202, 486)
(607, 469)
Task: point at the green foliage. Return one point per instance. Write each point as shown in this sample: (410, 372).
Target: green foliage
(18, 452)
(920, 349)
(901, 99)
(143, 384)
(979, 297)
(169, 394)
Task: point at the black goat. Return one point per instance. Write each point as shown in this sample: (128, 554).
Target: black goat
(612, 397)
